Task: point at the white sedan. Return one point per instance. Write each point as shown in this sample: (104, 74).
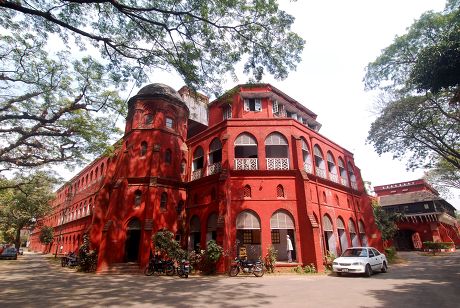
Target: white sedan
(360, 260)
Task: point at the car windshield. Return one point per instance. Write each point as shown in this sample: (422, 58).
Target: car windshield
(355, 252)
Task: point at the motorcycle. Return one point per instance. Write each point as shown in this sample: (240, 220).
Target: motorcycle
(247, 267)
(158, 266)
(69, 260)
(183, 269)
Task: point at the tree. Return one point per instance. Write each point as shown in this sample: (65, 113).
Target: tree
(386, 222)
(443, 177)
(23, 204)
(59, 104)
(419, 74)
(46, 235)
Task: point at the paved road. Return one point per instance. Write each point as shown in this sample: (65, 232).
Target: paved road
(423, 281)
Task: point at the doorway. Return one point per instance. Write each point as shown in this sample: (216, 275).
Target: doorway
(133, 239)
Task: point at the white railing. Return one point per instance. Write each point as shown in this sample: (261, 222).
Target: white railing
(277, 163)
(197, 174)
(334, 177)
(321, 173)
(354, 185)
(214, 168)
(308, 167)
(246, 164)
(344, 182)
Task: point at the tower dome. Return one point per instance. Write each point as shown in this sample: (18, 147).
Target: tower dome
(159, 89)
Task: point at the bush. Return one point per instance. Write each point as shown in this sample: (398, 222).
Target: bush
(210, 257)
(270, 259)
(438, 245)
(390, 253)
(87, 259)
(165, 243)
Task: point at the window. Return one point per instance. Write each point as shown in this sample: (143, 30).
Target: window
(198, 159)
(247, 191)
(180, 207)
(137, 198)
(336, 198)
(276, 236)
(275, 108)
(227, 112)
(148, 119)
(169, 122)
(143, 150)
(276, 152)
(247, 237)
(163, 201)
(306, 157)
(215, 151)
(253, 104)
(183, 167)
(168, 156)
(280, 191)
(331, 167)
(319, 162)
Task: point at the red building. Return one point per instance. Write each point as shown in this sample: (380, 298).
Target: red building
(246, 169)
(426, 216)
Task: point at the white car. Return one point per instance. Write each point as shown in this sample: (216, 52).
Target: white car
(360, 260)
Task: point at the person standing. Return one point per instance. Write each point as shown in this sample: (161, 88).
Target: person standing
(289, 248)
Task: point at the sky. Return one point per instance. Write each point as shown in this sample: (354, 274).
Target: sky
(342, 37)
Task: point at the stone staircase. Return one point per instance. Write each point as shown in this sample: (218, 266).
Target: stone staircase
(130, 268)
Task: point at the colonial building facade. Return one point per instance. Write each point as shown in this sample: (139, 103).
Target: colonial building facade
(425, 215)
(246, 169)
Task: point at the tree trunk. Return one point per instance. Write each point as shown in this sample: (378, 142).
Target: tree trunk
(17, 240)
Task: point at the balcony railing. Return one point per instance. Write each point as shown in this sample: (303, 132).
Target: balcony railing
(214, 168)
(246, 164)
(354, 185)
(321, 173)
(344, 182)
(308, 167)
(334, 177)
(277, 163)
(197, 174)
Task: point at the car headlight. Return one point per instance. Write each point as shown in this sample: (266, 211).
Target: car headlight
(335, 263)
(358, 263)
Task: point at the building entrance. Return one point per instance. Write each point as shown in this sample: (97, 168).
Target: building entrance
(133, 238)
(403, 240)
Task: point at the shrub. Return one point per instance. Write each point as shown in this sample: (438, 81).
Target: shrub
(270, 259)
(165, 243)
(390, 253)
(87, 259)
(210, 257)
(438, 245)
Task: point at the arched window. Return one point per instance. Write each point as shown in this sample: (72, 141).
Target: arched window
(215, 156)
(306, 157)
(180, 207)
(362, 233)
(352, 230)
(137, 198)
(91, 176)
(102, 169)
(211, 232)
(183, 166)
(164, 200)
(280, 191)
(336, 199)
(276, 152)
(168, 156)
(324, 197)
(143, 150)
(329, 237)
(198, 163)
(319, 162)
(148, 119)
(342, 234)
(332, 168)
(247, 191)
(343, 173)
(96, 172)
(351, 173)
(246, 152)
(248, 233)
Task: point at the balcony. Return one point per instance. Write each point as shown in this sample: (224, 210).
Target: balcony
(214, 168)
(277, 163)
(246, 164)
(344, 182)
(197, 174)
(308, 167)
(334, 177)
(321, 173)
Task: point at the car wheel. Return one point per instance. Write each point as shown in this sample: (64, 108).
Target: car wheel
(368, 271)
(384, 268)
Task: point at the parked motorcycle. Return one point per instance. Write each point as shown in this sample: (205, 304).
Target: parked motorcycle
(69, 260)
(158, 266)
(183, 269)
(247, 267)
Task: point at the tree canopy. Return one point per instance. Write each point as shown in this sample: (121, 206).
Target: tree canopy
(62, 64)
(419, 74)
(25, 202)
